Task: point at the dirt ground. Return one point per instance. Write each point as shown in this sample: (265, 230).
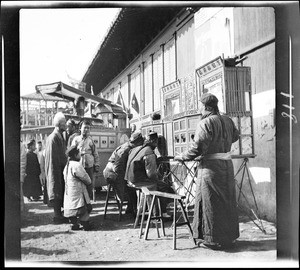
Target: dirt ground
(116, 244)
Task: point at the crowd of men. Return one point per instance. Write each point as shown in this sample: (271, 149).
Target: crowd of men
(70, 159)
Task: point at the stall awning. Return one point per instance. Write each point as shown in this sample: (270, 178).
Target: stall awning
(62, 90)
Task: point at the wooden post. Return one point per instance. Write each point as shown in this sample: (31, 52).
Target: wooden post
(39, 113)
(35, 117)
(46, 117)
(27, 111)
(23, 113)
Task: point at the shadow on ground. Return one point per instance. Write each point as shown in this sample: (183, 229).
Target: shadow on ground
(39, 214)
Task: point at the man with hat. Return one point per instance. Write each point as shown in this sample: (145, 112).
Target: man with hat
(142, 169)
(114, 171)
(215, 220)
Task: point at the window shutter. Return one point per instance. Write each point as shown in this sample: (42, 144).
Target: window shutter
(170, 61)
(157, 77)
(148, 85)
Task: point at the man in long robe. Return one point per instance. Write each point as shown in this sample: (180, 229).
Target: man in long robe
(32, 186)
(55, 161)
(215, 214)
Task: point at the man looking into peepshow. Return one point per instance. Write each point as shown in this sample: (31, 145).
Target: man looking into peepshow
(141, 170)
(55, 161)
(215, 220)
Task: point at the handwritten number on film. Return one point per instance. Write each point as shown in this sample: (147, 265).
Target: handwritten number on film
(290, 107)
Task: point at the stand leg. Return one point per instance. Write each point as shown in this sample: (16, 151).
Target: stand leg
(187, 221)
(143, 215)
(140, 201)
(161, 217)
(245, 168)
(149, 217)
(174, 224)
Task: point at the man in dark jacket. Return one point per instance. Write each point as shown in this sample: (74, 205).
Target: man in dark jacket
(142, 169)
(116, 167)
(215, 215)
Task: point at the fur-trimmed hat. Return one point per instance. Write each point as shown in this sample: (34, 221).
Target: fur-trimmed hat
(72, 151)
(136, 137)
(152, 135)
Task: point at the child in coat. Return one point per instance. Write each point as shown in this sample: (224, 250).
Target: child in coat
(77, 205)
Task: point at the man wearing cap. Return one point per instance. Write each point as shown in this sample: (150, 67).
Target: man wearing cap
(142, 169)
(116, 167)
(215, 220)
(55, 161)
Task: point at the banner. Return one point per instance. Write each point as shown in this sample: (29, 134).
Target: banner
(120, 101)
(135, 104)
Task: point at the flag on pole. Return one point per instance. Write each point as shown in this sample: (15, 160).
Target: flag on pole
(120, 101)
(134, 103)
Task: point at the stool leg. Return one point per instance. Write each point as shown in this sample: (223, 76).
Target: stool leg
(143, 215)
(94, 194)
(106, 200)
(140, 201)
(187, 221)
(161, 217)
(120, 210)
(149, 217)
(174, 224)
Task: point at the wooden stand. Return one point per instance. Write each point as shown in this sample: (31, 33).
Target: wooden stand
(245, 170)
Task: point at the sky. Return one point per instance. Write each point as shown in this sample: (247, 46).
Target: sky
(57, 43)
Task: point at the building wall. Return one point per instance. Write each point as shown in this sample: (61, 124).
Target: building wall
(213, 34)
(254, 39)
(209, 33)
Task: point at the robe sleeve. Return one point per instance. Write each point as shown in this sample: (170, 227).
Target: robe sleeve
(202, 140)
(81, 174)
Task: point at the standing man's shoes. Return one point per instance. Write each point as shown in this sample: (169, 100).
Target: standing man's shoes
(60, 220)
(75, 227)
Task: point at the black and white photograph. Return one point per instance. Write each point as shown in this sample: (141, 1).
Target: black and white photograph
(151, 133)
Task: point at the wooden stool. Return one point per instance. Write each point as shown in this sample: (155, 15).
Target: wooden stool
(141, 202)
(145, 193)
(119, 202)
(176, 198)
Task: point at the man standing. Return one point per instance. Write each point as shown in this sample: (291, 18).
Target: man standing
(32, 187)
(55, 161)
(88, 150)
(70, 132)
(215, 220)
